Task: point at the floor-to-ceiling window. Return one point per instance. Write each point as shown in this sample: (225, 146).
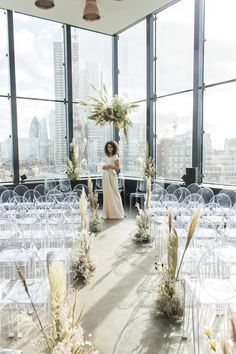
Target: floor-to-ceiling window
(174, 84)
(219, 153)
(91, 66)
(132, 88)
(6, 173)
(40, 90)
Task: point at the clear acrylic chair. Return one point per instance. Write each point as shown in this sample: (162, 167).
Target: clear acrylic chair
(206, 193)
(193, 187)
(172, 187)
(78, 189)
(121, 186)
(181, 193)
(139, 194)
(40, 188)
(50, 183)
(31, 195)
(223, 200)
(16, 299)
(231, 193)
(98, 186)
(7, 195)
(64, 185)
(211, 292)
(20, 189)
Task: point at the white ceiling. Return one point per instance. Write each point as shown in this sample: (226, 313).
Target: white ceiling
(115, 15)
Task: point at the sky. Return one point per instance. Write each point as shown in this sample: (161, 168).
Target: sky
(35, 76)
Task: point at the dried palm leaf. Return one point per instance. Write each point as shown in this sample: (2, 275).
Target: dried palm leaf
(191, 230)
(172, 253)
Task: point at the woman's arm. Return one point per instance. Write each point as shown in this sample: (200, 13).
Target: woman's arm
(112, 167)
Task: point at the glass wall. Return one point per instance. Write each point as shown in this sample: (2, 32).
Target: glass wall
(219, 157)
(91, 65)
(174, 76)
(40, 86)
(132, 88)
(6, 167)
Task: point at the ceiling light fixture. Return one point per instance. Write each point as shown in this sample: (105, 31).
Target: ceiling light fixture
(44, 4)
(91, 12)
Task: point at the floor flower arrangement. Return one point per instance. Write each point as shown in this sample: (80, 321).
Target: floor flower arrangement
(169, 296)
(64, 333)
(95, 219)
(82, 265)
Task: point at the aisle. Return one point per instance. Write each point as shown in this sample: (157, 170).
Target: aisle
(119, 301)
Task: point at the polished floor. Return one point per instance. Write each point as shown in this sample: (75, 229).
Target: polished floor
(119, 302)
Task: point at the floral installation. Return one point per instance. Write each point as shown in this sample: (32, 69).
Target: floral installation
(224, 346)
(147, 168)
(103, 111)
(169, 297)
(73, 170)
(143, 233)
(73, 165)
(95, 219)
(82, 265)
(64, 334)
(83, 208)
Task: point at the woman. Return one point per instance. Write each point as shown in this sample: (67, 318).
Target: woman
(112, 203)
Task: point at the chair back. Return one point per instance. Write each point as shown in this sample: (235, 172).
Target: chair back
(20, 189)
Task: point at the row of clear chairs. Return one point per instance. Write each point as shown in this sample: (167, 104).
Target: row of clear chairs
(33, 195)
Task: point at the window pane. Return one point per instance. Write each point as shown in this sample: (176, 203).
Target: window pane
(39, 55)
(219, 163)
(174, 135)
(6, 170)
(91, 62)
(132, 63)
(90, 140)
(220, 46)
(42, 143)
(131, 154)
(174, 41)
(4, 67)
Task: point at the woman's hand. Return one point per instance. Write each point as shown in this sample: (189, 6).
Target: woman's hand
(105, 167)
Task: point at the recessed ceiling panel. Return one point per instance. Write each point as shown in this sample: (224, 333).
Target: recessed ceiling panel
(115, 15)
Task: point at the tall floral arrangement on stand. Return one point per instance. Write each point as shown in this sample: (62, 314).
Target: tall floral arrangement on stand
(143, 233)
(83, 209)
(73, 164)
(82, 264)
(64, 334)
(73, 170)
(169, 298)
(115, 111)
(95, 220)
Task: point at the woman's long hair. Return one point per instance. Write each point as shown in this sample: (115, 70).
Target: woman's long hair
(114, 146)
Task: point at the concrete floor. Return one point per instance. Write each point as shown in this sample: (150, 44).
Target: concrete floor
(119, 302)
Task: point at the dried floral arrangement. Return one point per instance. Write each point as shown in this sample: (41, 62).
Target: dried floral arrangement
(82, 265)
(143, 225)
(103, 111)
(73, 170)
(224, 346)
(95, 219)
(64, 334)
(143, 233)
(73, 165)
(147, 168)
(83, 209)
(169, 297)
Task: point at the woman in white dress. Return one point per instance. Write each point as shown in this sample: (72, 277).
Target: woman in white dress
(112, 203)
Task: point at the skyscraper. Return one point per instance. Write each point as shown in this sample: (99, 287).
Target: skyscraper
(60, 114)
